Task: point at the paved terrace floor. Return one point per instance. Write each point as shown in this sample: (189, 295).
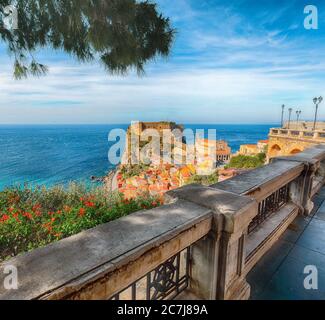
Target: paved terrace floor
(279, 275)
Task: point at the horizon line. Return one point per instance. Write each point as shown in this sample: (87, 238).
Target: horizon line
(117, 123)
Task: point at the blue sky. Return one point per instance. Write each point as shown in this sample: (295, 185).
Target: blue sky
(232, 62)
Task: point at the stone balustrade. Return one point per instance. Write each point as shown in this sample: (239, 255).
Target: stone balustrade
(201, 244)
(317, 136)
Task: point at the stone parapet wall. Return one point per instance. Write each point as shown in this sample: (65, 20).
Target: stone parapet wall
(285, 142)
(214, 225)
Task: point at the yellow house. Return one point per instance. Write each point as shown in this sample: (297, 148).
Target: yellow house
(249, 150)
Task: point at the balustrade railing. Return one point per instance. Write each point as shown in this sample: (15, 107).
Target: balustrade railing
(299, 133)
(165, 282)
(269, 206)
(309, 134)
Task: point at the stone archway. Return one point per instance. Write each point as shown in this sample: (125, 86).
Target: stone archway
(275, 151)
(295, 151)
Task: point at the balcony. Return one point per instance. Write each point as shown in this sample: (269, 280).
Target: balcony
(309, 135)
(218, 242)
(279, 274)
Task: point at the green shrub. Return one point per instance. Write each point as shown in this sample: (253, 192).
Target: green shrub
(247, 162)
(32, 218)
(131, 171)
(204, 180)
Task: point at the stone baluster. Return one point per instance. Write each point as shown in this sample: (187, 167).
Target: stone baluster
(218, 260)
(301, 188)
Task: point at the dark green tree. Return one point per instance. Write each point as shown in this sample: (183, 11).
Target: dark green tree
(121, 34)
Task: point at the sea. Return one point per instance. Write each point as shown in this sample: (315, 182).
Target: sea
(48, 155)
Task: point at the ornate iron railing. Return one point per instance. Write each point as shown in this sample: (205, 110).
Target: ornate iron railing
(165, 282)
(269, 206)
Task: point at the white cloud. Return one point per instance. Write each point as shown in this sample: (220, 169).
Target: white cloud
(229, 72)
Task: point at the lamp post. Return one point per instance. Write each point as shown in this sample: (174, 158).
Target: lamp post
(290, 112)
(283, 107)
(298, 112)
(317, 102)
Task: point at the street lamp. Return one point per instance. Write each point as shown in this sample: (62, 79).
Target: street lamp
(290, 111)
(317, 102)
(283, 107)
(298, 112)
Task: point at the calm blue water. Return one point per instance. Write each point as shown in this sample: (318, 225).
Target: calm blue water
(49, 155)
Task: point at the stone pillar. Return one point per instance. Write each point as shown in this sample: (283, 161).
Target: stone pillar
(301, 187)
(316, 135)
(218, 260)
(204, 267)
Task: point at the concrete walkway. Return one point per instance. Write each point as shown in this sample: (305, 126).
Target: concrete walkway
(280, 273)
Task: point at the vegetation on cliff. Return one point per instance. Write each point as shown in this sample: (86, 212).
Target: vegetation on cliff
(32, 218)
(247, 162)
(130, 171)
(204, 180)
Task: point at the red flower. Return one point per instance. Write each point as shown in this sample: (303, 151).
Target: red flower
(28, 215)
(89, 204)
(37, 207)
(4, 218)
(82, 212)
(38, 213)
(11, 210)
(16, 215)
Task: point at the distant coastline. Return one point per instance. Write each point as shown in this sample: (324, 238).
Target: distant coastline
(56, 154)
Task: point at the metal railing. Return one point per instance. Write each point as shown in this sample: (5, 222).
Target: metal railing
(269, 206)
(165, 282)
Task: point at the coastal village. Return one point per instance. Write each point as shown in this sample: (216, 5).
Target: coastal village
(156, 178)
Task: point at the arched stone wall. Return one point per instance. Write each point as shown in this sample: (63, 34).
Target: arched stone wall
(286, 146)
(275, 150)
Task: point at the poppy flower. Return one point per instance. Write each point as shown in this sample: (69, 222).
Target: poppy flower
(4, 218)
(82, 212)
(28, 215)
(89, 204)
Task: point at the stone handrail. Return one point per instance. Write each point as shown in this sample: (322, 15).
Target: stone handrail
(317, 135)
(223, 230)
